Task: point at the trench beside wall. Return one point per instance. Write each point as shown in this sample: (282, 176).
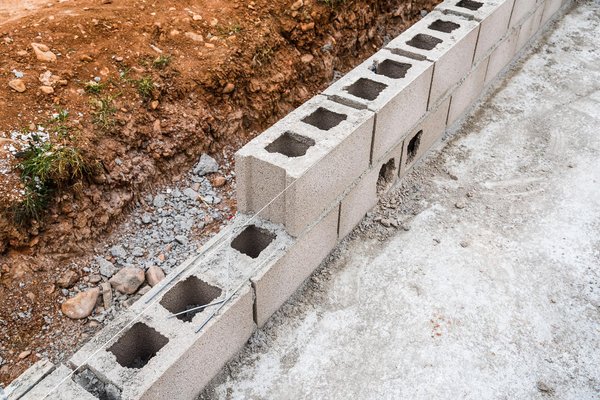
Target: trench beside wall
(303, 185)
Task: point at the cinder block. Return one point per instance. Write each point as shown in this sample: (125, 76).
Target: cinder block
(363, 197)
(427, 133)
(57, 386)
(502, 55)
(447, 40)
(494, 17)
(550, 8)
(530, 27)
(304, 162)
(28, 379)
(396, 88)
(469, 90)
(521, 9)
(280, 278)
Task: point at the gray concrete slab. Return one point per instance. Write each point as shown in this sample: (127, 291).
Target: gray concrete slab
(494, 292)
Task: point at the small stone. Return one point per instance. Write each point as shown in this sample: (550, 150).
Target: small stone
(22, 53)
(43, 53)
(118, 251)
(106, 295)
(460, 205)
(206, 165)
(218, 181)
(386, 222)
(154, 104)
(86, 58)
(46, 89)
(127, 280)
(191, 35)
(144, 290)
(197, 17)
(24, 354)
(191, 194)
(181, 239)
(17, 85)
(154, 275)
(464, 243)
(296, 6)
(68, 279)
(95, 278)
(138, 252)
(230, 87)
(159, 201)
(82, 305)
(107, 268)
(543, 387)
(307, 27)
(147, 219)
(307, 58)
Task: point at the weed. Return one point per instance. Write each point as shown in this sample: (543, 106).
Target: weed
(161, 61)
(94, 87)
(262, 56)
(145, 87)
(103, 117)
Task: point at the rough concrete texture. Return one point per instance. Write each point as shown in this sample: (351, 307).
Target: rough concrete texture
(448, 50)
(28, 379)
(386, 83)
(494, 291)
(278, 280)
(58, 386)
(494, 16)
(341, 152)
(429, 131)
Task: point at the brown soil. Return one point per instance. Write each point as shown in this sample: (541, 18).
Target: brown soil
(235, 67)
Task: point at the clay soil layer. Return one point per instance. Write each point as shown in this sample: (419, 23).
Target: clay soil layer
(148, 87)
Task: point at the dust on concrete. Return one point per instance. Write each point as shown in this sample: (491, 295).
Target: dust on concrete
(489, 285)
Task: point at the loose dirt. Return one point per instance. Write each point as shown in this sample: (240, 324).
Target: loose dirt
(181, 78)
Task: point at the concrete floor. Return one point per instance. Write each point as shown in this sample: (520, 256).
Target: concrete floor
(494, 292)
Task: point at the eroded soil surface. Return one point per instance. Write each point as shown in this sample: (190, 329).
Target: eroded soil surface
(148, 87)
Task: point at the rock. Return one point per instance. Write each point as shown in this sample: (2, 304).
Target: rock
(17, 85)
(47, 79)
(191, 35)
(107, 268)
(386, 222)
(460, 205)
(43, 53)
(464, 243)
(191, 194)
(127, 280)
(307, 58)
(95, 278)
(543, 387)
(138, 252)
(154, 104)
(206, 165)
(181, 239)
(106, 295)
(46, 89)
(24, 354)
(118, 251)
(147, 219)
(82, 305)
(230, 87)
(68, 279)
(296, 6)
(218, 181)
(159, 201)
(154, 275)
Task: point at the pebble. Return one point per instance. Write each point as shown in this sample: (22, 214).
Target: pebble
(218, 181)
(24, 354)
(118, 251)
(95, 278)
(147, 219)
(190, 35)
(106, 295)
(17, 85)
(191, 194)
(128, 280)
(206, 165)
(107, 268)
(46, 89)
(296, 5)
(464, 243)
(159, 201)
(68, 279)
(543, 387)
(154, 275)
(43, 53)
(460, 205)
(230, 87)
(82, 305)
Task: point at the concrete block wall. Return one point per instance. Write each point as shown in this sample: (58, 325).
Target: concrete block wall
(303, 185)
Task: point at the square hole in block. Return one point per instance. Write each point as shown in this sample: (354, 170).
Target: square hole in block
(324, 119)
(469, 4)
(137, 346)
(291, 145)
(392, 69)
(387, 173)
(443, 26)
(424, 42)
(366, 89)
(413, 147)
(187, 295)
(252, 241)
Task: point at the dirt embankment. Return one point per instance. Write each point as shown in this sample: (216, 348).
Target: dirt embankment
(148, 87)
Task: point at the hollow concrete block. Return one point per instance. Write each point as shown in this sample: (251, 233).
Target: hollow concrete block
(280, 278)
(521, 10)
(28, 379)
(530, 27)
(550, 8)
(448, 41)
(58, 385)
(493, 16)
(469, 90)
(295, 170)
(502, 55)
(424, 136)
(361, 199)
(394, 87)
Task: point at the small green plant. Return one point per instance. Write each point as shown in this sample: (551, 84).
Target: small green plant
(161, 61)
(145, 87)
(93, 87)
(103, 117)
